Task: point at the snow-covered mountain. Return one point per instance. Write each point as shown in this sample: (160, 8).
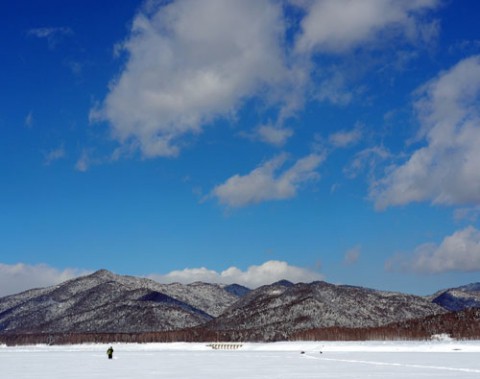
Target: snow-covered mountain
(460, 298)
(105, 302)
(282, 308)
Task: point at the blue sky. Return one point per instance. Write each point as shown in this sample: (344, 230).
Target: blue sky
(241, 141)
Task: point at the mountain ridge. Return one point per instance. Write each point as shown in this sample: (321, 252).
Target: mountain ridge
(458, 298)
(104, 302)
(283, 308)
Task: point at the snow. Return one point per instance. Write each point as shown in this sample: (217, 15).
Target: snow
(288, 360)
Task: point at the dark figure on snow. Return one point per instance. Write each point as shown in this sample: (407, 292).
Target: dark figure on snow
(110, 352)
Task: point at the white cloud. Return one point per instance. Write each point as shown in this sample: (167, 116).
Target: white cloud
(346, 138)
(21, 277)
(255, 276)
(273, 135)
(446, 170)
(189, 63)
(457, 252)
(352, 256)
(266, 182)
(339, 26)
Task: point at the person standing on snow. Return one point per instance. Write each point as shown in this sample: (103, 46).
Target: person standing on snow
(110, 352)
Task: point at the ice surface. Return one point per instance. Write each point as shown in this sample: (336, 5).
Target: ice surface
(340, 360)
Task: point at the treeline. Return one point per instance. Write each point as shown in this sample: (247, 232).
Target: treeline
(184, 335)
(459, 325)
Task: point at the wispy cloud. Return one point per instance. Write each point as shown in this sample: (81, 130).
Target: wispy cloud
(457, 252)
(469, 213)
(90, 157)
(84, 161)
(255, 276)
(352, 255)
(367, 160)
(75, 67)
(268, 182)
(54, 155)
(333, 87)
(53, 35)
(28, 122)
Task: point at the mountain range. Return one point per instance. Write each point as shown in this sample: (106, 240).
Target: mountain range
(104, 302)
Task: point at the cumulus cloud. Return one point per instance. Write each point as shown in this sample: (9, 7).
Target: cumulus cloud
(189, 63)
(21, 277)
(338, 26)
(255, 276)
(457, 252)
(268, 182)
(445, 170)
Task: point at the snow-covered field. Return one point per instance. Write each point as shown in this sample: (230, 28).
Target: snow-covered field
(388, 360)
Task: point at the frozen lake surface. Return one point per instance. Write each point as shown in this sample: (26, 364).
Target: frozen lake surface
(388, 360)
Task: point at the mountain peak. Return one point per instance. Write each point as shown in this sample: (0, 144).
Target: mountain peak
(283, 283)
(103, 273)
(237, 289)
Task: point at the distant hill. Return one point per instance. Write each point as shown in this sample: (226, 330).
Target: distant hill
(460, 298)
(237, 289)
(275, 311)
(105, 302)
(107, 307)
